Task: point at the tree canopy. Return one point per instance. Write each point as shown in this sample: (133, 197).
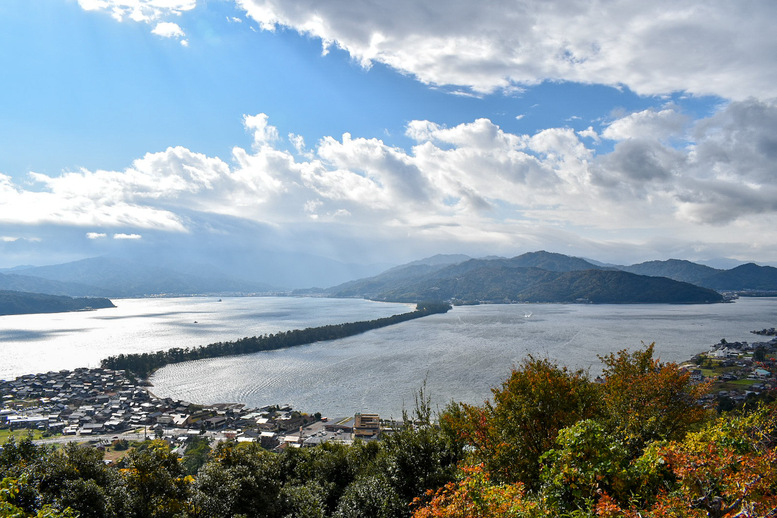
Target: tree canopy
(552, 442)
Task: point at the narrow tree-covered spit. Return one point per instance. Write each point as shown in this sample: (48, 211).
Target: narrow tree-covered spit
(141, 365)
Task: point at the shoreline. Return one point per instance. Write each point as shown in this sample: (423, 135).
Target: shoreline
(85, 402)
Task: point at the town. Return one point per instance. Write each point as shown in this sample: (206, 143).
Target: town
(737, 371)
(103, 405)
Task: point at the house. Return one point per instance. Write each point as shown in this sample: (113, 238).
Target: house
(366, 426)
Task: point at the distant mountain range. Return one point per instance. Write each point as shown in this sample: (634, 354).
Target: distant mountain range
(171, 274)
(18, 303)
(550, 277)
(535, 276)
(111, 277)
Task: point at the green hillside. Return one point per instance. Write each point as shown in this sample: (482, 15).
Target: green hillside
(532, 277)
(18, 303)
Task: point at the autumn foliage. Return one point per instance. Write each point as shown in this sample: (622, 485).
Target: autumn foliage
(637, 443)
(475, 496)
(510, 435)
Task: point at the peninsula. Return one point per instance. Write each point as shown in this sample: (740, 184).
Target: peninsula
(20, 303)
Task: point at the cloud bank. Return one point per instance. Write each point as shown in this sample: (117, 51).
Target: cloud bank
(705, 48)
(707, 184)
(715, 48)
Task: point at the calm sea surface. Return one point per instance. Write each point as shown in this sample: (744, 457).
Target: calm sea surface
(461, 355)
(39, 343)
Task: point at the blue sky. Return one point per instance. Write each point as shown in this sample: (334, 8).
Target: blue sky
(621, 132)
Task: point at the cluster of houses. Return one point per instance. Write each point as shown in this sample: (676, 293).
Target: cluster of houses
(754, 363)
(103, 403)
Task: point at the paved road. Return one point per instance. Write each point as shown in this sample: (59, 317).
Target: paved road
(106, 438)
(94, 438)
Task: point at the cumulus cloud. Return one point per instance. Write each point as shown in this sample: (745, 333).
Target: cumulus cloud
(58, 201)
(155, 12)
(299, 144)
(589, 132)
(715, 48)
(263, 133)
(139, 10)
(170, 30)
(472, 184)
(648, 124)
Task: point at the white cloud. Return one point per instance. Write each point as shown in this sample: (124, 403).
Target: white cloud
(139, 10)
(299, 144)
(717, 48)
(96, 235)
(155, 12)
(709, 183)
(650, 124)
(170, 30)
(589, 132)
(263, 133)
(81, 199)
(127, 236)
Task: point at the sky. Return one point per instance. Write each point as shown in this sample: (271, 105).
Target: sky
(383, 132)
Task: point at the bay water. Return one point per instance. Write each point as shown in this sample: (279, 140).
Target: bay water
(54, 341)
(460, 355)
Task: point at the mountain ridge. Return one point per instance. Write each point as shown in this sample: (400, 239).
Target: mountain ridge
(430, 277)
(531, 277)
(115, 277)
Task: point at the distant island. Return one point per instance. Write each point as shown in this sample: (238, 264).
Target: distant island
(21, 303)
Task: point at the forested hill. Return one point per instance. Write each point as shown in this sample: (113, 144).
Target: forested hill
(18, 303)
(533, 277)
(743, 278)
(676, 269)
(31, 284)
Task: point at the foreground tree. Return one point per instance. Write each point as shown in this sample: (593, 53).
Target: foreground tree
(474, 495)
(646, 400)
(155, 481)
(728, 469)
(511, 434)
(241, 479)
(586, 462)
(9, 490)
